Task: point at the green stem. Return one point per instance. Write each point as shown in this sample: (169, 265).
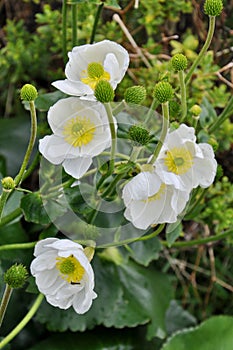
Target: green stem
(165, 110)
(113, 137)
(21, 173)
(203, 50)
(74, 24)
(119, 108)
(5, 300)
(227, 112)
(153, 106)
(32, 167)
(132, 240)
(199, 241)
(10, 217)
(17, 246)
(3, 200)
(23, 323)
(183, 95)
(97, 16)
(64, 30)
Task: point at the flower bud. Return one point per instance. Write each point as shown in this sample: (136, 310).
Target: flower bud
(28, 93)
(104, 92)
(195, 110)
(8, 183)
(213, 7)
(112, 254)
(179, 62)
(135, 94)
(139, 134)
(213, 142)
(16, 276)
(163, 91)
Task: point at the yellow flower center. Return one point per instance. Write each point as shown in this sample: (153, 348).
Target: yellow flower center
(178, 160)
(79, 131)
(70, 269)
(157, 195)
(94, 73)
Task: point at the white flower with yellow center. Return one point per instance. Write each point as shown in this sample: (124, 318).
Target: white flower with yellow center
(149, 201)
(80, 132)
(64, 274)
(91, 63)
(184, 163)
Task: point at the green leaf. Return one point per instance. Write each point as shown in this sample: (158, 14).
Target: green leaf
(34, 210)
(215, 334)
(14, 137)
(128, 295)
(173, 231)
(143, 252)
(44, 102)
(177, 318)
(13, 203)
(208, 114)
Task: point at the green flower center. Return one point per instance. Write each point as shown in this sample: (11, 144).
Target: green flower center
(94, 73)
(70, 269)
(178, 160)
(79, 131)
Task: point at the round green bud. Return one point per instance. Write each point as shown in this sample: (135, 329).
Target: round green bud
(16, 276)
(135, 94)
(213, 142)
(179, 62)
(213, 7)
(8, 183)
(195, 110)
(163, 91)
(139, 134)
(28, 93)
(104, 92)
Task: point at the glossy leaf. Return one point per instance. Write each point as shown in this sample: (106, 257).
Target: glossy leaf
(215, 334)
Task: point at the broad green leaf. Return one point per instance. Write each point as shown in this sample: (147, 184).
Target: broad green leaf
(208, 113)
(213, 334)
(173, 231)
(128, 295)
(14, 137)
(34, 211)
(44, 102)
(13, 203)
(177, 318)
(144, 252)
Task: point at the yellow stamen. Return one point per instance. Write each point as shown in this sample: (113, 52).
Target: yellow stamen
(157, 195)
(94, 73)
(70, 269)
(79, 131)
(178, 160)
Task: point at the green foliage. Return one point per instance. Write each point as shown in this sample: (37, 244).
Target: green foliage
(214, 334)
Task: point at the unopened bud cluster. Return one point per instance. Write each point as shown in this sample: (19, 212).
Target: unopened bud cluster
(135, 94)
(163, 91)
(195, 110)
(28, 93)
(16, 276)
(104, 92)
(8, 183)
(213, 7)
(179, 62)
(139, 134)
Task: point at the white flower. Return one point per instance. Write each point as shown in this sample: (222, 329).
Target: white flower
(90, 63)
(63, 274)
(149, 201)
(80, 132)
(184, 163)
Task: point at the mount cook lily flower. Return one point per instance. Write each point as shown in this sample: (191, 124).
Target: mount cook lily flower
(183, 163)
(80, 132)
(63, 274)
(90, 63)
(149, 201)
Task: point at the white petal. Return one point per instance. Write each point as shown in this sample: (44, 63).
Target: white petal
(46, 279)
(73, 88)
(77, 167)
(65, 244)
(42, 246)
(55, 149)
(45, 261)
